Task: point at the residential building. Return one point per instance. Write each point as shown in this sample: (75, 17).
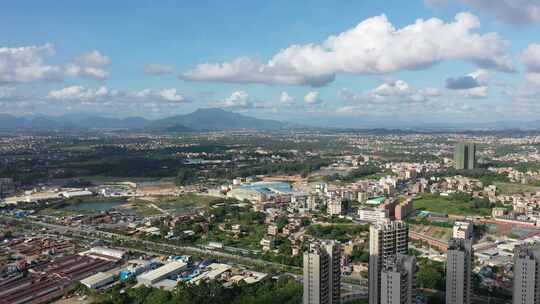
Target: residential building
(322, 273)
(459, 266)
(273, 230)
(526, 288)
(465, 156)
(403, 210)
(386, 239)
(398, 280)
(373, 215)
(337, 206)
(268, 243)
(462, 230)
(498, 212)
(7, 187)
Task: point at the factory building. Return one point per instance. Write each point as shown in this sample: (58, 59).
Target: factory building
(161, 273)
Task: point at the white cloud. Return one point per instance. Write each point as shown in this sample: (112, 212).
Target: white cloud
(157, 69)
(81, 71)
(247, 70)
(312, 98)
(82, 94)
(285, 98)
(238, 99)
(7, 93)
(90, 65)
(394, 92)
(170, 95)
(530, 57)
(27, 64)
(512, 11)
(533, 78)
(93, 59)
(477, 92)
(374, 46)
(473, 85)
(103, 94)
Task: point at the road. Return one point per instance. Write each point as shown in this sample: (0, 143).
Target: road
(175, 249)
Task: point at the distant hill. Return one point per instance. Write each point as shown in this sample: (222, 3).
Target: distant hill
(217, 119)
(200, 120)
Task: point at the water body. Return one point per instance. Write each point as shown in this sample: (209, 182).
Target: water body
(269, 187)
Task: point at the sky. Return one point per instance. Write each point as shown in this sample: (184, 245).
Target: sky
(335, 63)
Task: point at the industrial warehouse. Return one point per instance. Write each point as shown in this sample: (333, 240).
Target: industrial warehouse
(48, 267)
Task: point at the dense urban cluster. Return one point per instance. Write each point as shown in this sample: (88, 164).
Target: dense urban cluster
(300, 216)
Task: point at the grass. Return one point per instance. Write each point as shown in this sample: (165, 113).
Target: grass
(513, 188)
(185, 203)
(448, 205)
(340, 232)
(141, 208)
(254, 234)
(56, 212)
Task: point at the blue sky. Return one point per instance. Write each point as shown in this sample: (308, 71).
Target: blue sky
(464, 60)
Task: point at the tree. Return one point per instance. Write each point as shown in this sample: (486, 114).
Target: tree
(430, 275)
(163, 230)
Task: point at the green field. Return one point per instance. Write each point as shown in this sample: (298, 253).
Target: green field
(448, 205)
(185, 203)
(513, 188)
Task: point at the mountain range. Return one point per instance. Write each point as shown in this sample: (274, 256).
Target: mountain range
(209, 119)
(199, 120)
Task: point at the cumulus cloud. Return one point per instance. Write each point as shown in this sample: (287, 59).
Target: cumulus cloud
(374, 46)
(82, 71)
(157, 69)
(473, 85)
(512, 11)
(93, 59)
(285, 98)
(312, 98)
(170, 95)
(7, 92)
(82, 94)
(103, 94)
(390, 93)
(90, 65)
(248, 70)
(530, 57)
(401, 91)
(477, 92)
(238, 100)
(27, 64)
(460, 83)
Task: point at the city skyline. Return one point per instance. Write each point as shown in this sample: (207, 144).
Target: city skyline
(456, 61)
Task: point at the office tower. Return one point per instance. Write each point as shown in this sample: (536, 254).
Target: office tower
(459, 267)
(322, 273)
(526, 275)
(465, 156)
(398, 280)
(385, 239)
